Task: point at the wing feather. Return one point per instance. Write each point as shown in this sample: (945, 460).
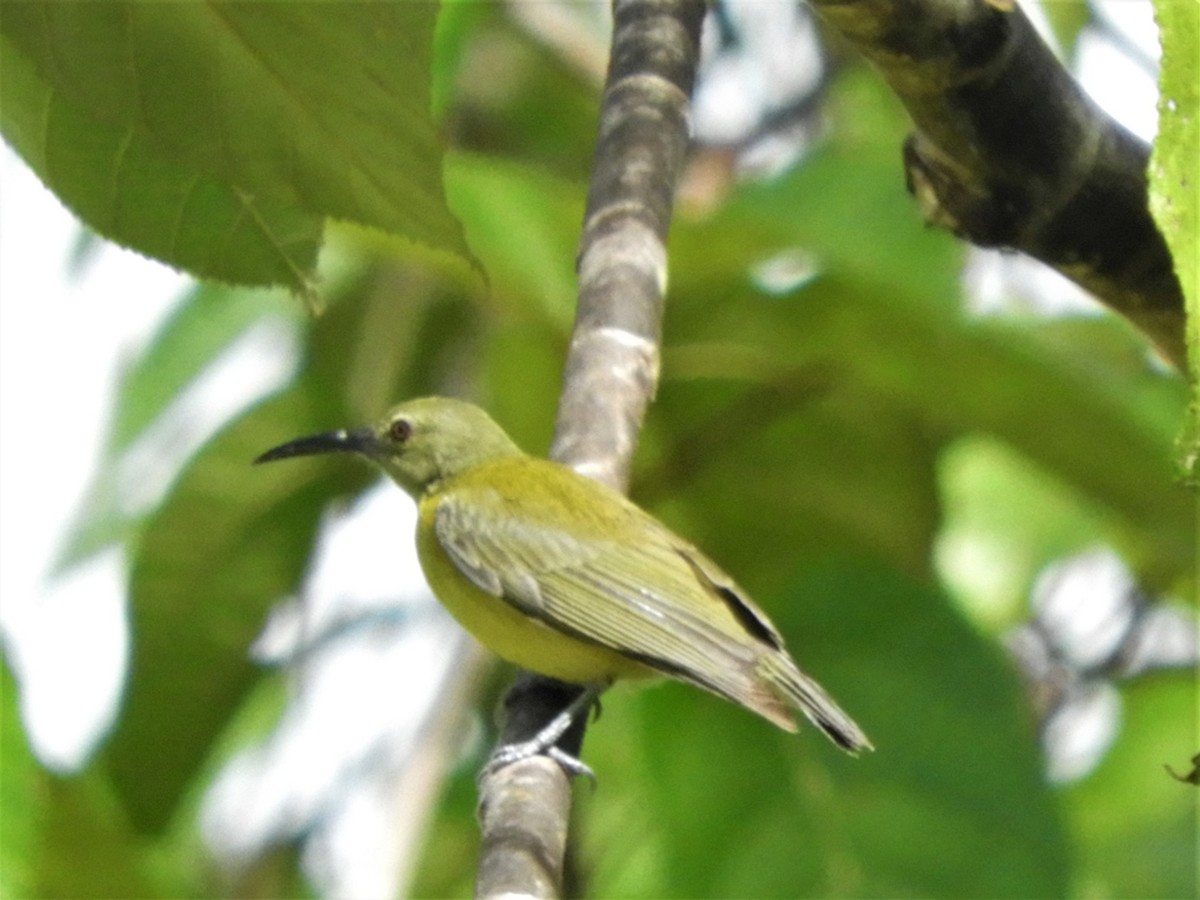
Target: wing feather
(642, 594)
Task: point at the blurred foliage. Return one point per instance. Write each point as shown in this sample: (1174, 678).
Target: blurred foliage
(19, 775)
(841, 443)
(1067, 20)
(1134, 833)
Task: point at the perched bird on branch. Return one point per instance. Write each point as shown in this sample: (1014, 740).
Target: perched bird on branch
(566, 577)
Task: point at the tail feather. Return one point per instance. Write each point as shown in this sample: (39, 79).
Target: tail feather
(810, 698)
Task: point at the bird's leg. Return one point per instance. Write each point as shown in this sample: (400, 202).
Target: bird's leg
(544, 741)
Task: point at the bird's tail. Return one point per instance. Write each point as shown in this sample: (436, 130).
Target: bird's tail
(810, 698)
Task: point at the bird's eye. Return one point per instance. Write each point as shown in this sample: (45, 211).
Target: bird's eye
(400, 430)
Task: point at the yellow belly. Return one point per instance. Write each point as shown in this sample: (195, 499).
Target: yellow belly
(508, 632)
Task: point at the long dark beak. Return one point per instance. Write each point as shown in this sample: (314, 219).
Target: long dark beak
(359, 440)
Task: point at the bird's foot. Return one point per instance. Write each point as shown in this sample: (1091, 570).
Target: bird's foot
(543, 743)
(508, 754)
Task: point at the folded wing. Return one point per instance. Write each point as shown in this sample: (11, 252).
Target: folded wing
(646, 593)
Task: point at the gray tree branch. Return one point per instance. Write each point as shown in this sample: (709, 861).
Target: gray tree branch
(610, 378)
(1010, 152)
(612, 367)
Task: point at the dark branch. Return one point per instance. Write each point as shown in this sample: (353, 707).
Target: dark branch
(1009, 152)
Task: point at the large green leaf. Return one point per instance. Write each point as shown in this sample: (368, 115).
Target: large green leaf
(1103, 429)
(219, 137)
(180, 216)
(771, 479)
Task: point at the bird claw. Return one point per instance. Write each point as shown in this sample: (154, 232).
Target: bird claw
(543, 743)
(508, 754)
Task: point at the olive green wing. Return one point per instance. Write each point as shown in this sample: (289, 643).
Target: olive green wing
(622, 581)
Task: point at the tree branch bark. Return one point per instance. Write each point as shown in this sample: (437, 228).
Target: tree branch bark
(1010, 152)
(525, 808)
(610, 377)
(612, 367)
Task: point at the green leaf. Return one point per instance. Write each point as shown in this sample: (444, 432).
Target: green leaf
(198, 331)
(219, 137)
(1174, 191)
(768, 479)
(127, 190)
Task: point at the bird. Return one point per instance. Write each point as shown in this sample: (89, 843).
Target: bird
(568, 578)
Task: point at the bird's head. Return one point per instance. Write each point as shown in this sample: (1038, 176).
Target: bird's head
(418, 443)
